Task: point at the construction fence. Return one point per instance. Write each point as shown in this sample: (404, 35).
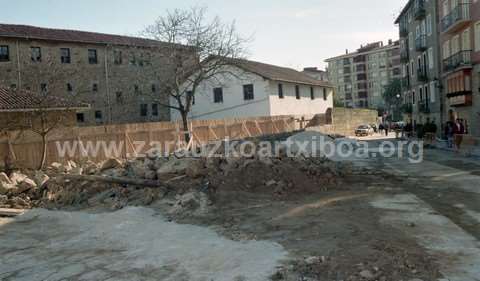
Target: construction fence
(130, 140)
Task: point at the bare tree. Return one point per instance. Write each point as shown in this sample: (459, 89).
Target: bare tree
(199, 49)
(49, 108)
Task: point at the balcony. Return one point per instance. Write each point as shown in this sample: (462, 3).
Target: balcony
(422, 75)
(405, 83)
(346, 62)
(359, 59)
(424, 107)
(361, 77)
(457, 19)
(421, 43)
(348, 96)
(462, 59)
(362, 95)
(361, 68)
(404, 57)
(419, 10)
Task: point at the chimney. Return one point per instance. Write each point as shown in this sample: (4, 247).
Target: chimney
(346, 51)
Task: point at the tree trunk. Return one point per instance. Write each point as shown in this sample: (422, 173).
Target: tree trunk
(185, 126)
(44, 152)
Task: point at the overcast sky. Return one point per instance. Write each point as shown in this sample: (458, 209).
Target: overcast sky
(294, 33)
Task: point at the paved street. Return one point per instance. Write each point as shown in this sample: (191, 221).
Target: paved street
(442, 201)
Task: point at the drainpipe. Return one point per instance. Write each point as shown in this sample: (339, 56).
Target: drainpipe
(107, 85)
(19, 77)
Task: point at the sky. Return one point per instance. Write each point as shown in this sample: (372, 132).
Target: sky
(291, 33)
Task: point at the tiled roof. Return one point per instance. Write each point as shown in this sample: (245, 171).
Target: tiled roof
(278, 73)
(17, 100)
(40, 33)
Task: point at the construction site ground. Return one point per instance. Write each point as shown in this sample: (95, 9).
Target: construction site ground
(380, 219)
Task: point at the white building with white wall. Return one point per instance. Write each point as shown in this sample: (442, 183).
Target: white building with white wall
(253, 89)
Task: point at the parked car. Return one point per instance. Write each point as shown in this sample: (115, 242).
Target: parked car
(364, 130)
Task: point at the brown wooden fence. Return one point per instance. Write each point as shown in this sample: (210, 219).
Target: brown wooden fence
(126, 140)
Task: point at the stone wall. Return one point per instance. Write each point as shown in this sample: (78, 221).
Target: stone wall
(343, 121)
(346, 120)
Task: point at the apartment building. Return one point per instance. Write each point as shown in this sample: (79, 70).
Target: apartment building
(119, 76)
(419, 52)
(460, 53)
(360, 77)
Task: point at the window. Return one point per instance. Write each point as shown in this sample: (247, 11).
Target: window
(446, 49)
(4, 53)
(466, 42)
(218, 95)
(36, 54)
(477, 37)
(13, 86)
(117, 57)
(429, 25)
(65, 55)
(136, 88)
(297, 92)
(143, 110)
(80, 117)
(133, 59)
(154, 109)
(43, 87)
(92, 56)
(432, 92)
(98, 116)
(325, 94)
(154, 88)
(69, 87)
(312, 93)
(430, 58)
(119, 97)
(248, 93)
(95, 87)
(413, 97)
(280, 91)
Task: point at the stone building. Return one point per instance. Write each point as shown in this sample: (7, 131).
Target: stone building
(119, 76)
(419, 51)
(360, 77)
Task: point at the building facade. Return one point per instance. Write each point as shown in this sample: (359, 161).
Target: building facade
(359, 78)
(459, 26)
(119, 76)
(316, 73)
(421, 69)
(254, 89)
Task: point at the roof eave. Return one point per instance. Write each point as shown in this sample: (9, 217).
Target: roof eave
(45, 109)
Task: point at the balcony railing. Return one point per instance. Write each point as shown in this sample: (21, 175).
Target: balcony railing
(404, 57)
(420, 11)
(460, 59)
(424, 107)
(460, 14)
(422, 75)
(421, 43)
(405, 83)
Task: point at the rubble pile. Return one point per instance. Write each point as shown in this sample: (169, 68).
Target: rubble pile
(189, 181)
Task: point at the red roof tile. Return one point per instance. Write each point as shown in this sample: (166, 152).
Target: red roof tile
(16, 100)
(33, 32)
